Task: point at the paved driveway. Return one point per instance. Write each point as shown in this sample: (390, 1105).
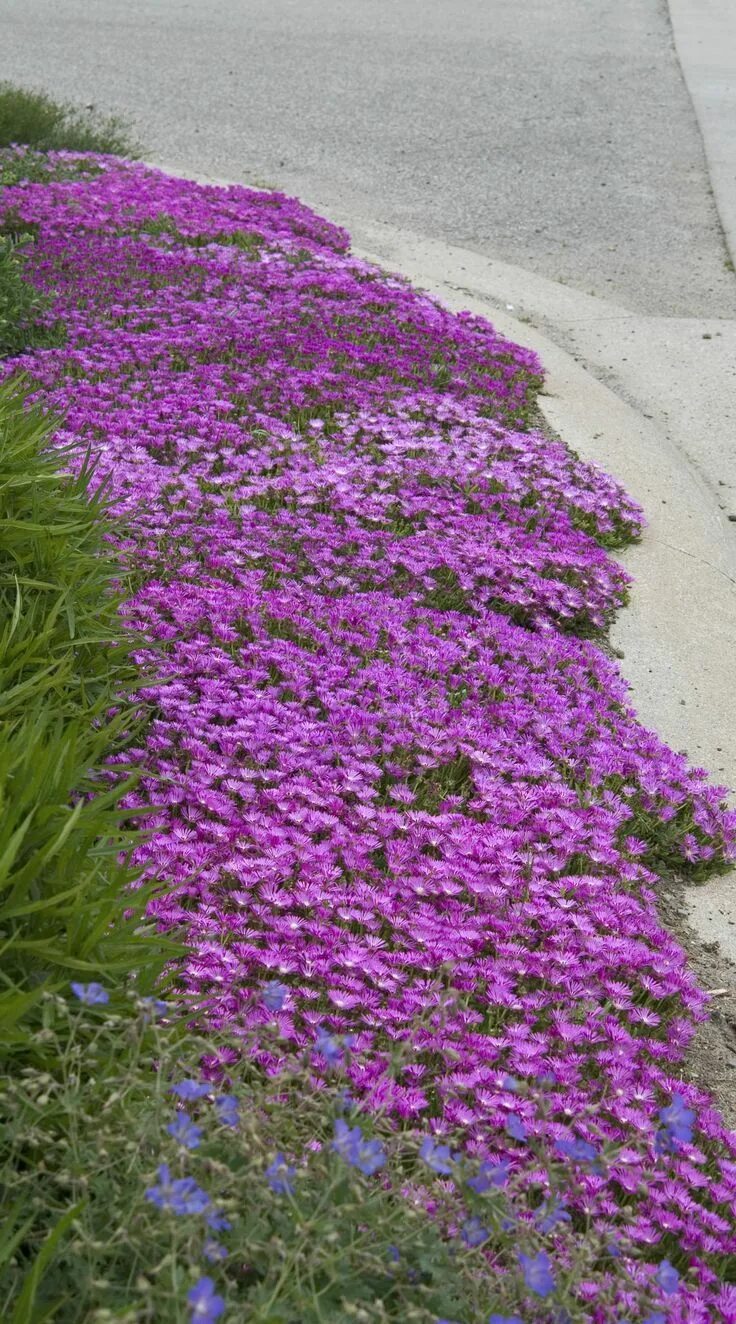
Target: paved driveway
(555, 134)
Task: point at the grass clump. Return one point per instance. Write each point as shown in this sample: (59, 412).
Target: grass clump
(37, 120)
(65, 669)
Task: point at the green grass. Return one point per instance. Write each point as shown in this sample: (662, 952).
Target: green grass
(37, 120)
(65, 663)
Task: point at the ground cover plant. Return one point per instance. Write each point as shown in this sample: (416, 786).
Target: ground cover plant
(389, 765)
(35, 119)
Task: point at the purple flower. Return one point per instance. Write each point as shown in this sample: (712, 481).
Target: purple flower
(92, 995)
(280, 1176)
(516, 1128)
(204, 1303)
(537, 1272)
(228, 1110)
(179, 1195)
(488, 1175)
(366, 1155)
(190, 1089)
(185, 1132)
(274, 995)
(437, 1157)
(667, 1278)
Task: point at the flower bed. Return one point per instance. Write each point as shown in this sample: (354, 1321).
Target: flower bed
(388, 757)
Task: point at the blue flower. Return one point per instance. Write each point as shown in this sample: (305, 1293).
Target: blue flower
(190, 1089)
(537, 1273)
(677, 1126)
(154, 1007)
(488, 1175)
(228, 1111)
(505, 1319)
(91, 994)
(550, 1214)
(213, 1251)
(437, 1157)
(657, 1317)
(350, 1143)
(204, 1302)
(515, 1127)
(328, 1046)
(393, 1254)
(668, 1278)
(511, 1083)
(580, 1151)
(274, 995)
(473, 1232)
(179, 1196)
(217, 1221)
(280, 1176)
(184, 1131)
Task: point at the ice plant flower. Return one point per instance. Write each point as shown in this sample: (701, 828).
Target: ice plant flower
(91, 995)
(369, 599)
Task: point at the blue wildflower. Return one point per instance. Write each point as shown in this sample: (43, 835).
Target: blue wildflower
(668, 1278)
(550, 1214)
(473, 1232)
(153, 1007)
(515, 1127)
(274, 995)
(579, 1151)
(657, 1317)
(190, 1089)
(204, 1303)
(511, 1083)
(217, 1222)
(350, 1143)
(185, 1132)
(213, 1251)
(393, 1254)
(537, 1273)
(280, 1176)
(181, 1195)
(328, 1046)
(505, 1319)
(91, 995)
(437, 1157)
(228, 1110)
(488, 1175)
(677, 1126)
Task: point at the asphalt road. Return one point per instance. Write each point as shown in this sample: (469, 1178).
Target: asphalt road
(554, 134)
